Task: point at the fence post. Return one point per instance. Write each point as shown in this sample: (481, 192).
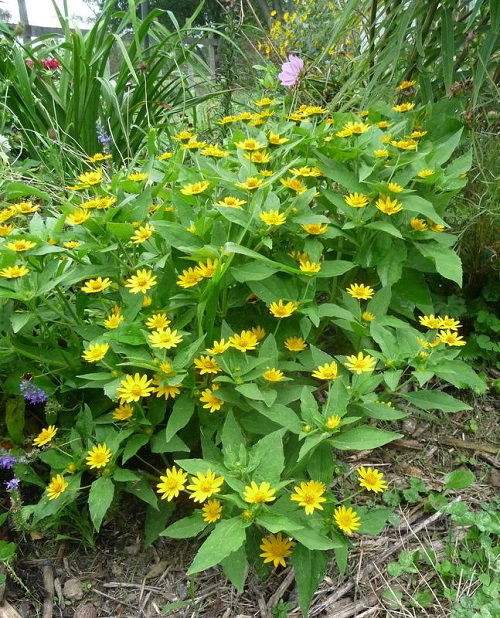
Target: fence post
(23, 18)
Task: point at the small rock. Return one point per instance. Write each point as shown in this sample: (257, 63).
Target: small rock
(495, 478)
(73, 589)
(85, 611)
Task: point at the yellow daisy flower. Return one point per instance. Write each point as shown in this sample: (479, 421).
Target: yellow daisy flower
(212, 511)
(273, 375)
(98, 456)
(346, 519)
(275, 548)
(133, 387)
(295, 344)
(281, 309)
(95, 352)
(360, 291)
(45, 436)
(56, 487)
(92, 286)
(204, 486)
(164, 338)
(141, 282)
(360, 364)
(212, 403)
(246, 340)
(371, 479)
(255, 494)
(206, 365)
(328, 371)
(309, 495)
(273, 217)
(172, 483)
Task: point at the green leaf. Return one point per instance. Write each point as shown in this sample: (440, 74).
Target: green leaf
(181, 414)
(447, 262)
(435, 400)
(460, 479)
(143, 491)
(100, 497)
(232, 435)
(253, 271)
(385, 226)
(341, 553)
(379, 411)
(14, 418)
(133, 445)
(156, 520)
(363, 437)
(7, 551)
(334, 268)
(309, 566)
(186, 528)
(268, 451)
(235, 568)
(373, 522)
(227, 536)
(312, 539)
(122, 475)
(281, 415)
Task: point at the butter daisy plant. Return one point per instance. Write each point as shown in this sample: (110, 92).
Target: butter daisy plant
(224, 318)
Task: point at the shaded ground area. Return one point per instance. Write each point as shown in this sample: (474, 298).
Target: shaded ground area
(118, 579)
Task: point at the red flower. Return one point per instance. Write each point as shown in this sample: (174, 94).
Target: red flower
(51, 63)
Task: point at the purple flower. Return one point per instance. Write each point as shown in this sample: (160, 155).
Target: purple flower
(13, 484)
(290, 70)
(7, 460)
(102, 137)
(32, 393)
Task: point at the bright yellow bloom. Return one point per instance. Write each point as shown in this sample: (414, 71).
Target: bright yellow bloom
(20, 245)
(346, 519)
(133, 387)
(388, 206)
(430, 321)
(417, 134)
(381, 153)
(283, 310)
(295, 344)
(98, 456)
(436, 227)
(371, 479)
(294, 184)
(165, 155)
(13, 272)
(214, 151)
(309, 267)
(357, 200)
(137, 176)
(7, 213)
(418, 224)
(406, 84)
(204, 485)
(451, 338)
(45, 436)
(309, 495)
(25, 208)
(189, 277)
(172, 483)
(231, 202)
(212, 403)
(141, 282)
(96, 285)
(360, 291)
(275, 139)
(219, 347)
(56, 487)
(367, 316)
(328, 371)
(449, 323)
(184, 135)
(164, 338)
(5, 230)
(165, 390)
(193, 144)
(404, 144)
(273, 217)
(425, 173)
(207, 269)
(105, 202)
(78, 216)
(360, 364)
(273, 375)
(313, 172)
(315, 228)
(246, 340)
(91, 178)
(71, 244)
(332, 422)
(95, 352)
(259, 332)
(250, 183)
(250, 144)
(393, 187)
(195, 188)
(258, 157)
(123, 413)
(142, 234)
(158, 321)
(206, 365)
(383, 124)
(113, 321)
(275, 549)
(265, 101)
(167, 368)
(228, 119)
(255, 494)
(212, 511)
(403, 107)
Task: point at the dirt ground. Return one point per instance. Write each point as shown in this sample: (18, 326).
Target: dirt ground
(65, 578)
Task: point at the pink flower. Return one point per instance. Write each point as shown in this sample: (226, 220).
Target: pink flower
(51, 63)
(290, 70)
(30, 63)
